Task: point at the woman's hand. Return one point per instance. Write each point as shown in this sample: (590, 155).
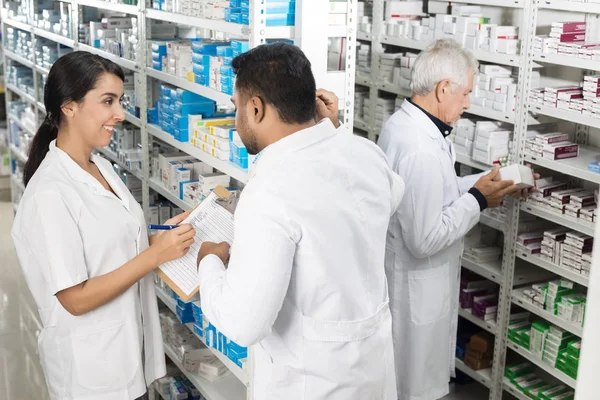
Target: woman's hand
(176, 220)
(173, 244)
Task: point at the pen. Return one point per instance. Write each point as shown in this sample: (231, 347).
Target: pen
(162, 227)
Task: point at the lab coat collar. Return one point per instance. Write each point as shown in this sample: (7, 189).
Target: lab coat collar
(444, 128)
(78, 174)
(296, 141)
(422, 119)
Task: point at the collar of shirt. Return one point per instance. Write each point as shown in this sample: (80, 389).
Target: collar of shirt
(78, 174)
(296, 141)
(444, 128)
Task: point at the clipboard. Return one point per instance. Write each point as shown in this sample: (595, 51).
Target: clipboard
(227, 202)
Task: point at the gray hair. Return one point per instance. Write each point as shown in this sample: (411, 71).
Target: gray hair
(445, 59)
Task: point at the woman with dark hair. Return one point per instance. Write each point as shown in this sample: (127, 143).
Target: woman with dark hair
(82, 242)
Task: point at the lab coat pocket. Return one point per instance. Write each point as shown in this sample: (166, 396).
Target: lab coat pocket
(102, 357)
(429, 294)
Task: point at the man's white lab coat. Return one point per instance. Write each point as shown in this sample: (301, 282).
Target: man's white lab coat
(306, 282)
(424, 248)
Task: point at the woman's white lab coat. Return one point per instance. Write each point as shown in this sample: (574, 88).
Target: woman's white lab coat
(68, 229)
(424, 248)
(306, 282)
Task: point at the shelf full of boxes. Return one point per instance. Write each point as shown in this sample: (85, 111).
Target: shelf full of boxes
(178, 140)
(536, 80)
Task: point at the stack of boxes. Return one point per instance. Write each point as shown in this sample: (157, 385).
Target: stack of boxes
(469, 28)
(385, 108)
(365, 17)
(491, 142)
(559, 298)
(278, 13)
(530, 243)
(480, 351)
(496, 89)
(519, 332)
(54, 17)
(116, 35)
(19, 42)
(552, 145)
(554, 195)
(209, 9)
(478, 295)
(591, 96)
(578, 99)
(523, 377)
(567, 39)
(363, 58)
(46, 52)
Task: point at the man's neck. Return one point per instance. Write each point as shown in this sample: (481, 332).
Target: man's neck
(281, 130)
(426, 103)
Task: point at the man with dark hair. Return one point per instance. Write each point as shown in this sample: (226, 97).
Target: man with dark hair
(305, 282)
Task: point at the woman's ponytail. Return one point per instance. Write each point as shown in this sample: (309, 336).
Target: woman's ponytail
(40, 145)
(71, 77)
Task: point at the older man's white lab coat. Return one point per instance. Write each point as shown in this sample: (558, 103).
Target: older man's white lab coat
(424, 248)
(306, 282)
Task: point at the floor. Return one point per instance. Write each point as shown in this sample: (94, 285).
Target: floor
(21, 377)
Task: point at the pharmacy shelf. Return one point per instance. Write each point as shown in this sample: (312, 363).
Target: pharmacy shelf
(492, 222)
(541, 364)
(466, 160)
(233, 367)
(133, 119)
(489, 326)
(566, 61)
(489, 270)
(219, 97)
(227, 387)
(115, 159)
(225, 167)
(574, 223)
(15, 57)
(364, 36)
(517, 298)
(491, 114)
(362, 80)
(571, 6)
(576, 167)
(114, 58)
(274, 32)
(512, 389)
(496, 3)
(496, 58)
(483, 376)
(158, 187)
(19, 25)
(42, 70)
(565, 115)
(360, 124)
(16, 120)
(556, 269)
(105, 5)
(391, 88)
(25, 96)
(18, 153)
(54, 37)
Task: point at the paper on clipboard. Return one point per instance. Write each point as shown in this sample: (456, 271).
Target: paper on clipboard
(213, 222)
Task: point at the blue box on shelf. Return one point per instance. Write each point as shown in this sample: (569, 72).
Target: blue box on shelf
(273, 19)
(238, 150)
(236, 18)
(201, 79)
(200, 59)
(185, 96)
(183, 135)
(226, 81)
(235, 3)
(198, 330)
(207, 47)
(241, 162)
(185, 316)
(201, 69)
(206, 108)
(594, 166)
(227, 61)
(229, 11)
(241, 350)
(153, 115)
(241, 46)
(197, 309)
(164, 90)
(211, 336)
(224, 51)
(187, 306)
(157, 65)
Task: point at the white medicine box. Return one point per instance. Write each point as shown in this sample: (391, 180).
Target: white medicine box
(521, 175)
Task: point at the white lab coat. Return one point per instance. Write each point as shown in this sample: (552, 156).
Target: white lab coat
(424, 248)
(306, 281)
(68, 229)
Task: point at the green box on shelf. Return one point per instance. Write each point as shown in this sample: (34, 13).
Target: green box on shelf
(531, 384)
(553, 392)
(574, 348)
(514, 371)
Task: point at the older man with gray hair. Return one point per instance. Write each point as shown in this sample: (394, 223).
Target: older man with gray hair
(425, 236)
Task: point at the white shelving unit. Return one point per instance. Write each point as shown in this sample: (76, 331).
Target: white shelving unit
(489, 326)
(308, 34)
(515, 268)
(567, 380)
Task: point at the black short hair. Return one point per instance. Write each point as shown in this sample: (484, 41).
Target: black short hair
(281, 75)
